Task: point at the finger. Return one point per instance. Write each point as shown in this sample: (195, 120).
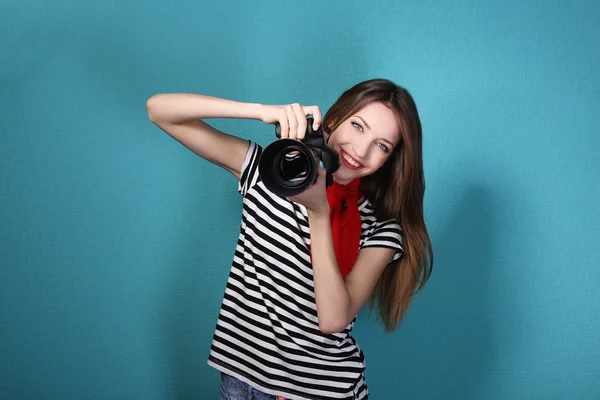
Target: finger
(321, 169)
(315, 111)
(302, 122)
(283, 123)
(322, 176)
(292, 121)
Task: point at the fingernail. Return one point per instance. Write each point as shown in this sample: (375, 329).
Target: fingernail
(315, 127)
(321, 165)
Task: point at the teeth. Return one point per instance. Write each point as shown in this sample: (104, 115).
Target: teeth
(351, 161)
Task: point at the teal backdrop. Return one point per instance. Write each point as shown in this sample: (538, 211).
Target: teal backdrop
(116, 241)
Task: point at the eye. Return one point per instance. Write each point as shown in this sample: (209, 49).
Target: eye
(357, 126)
(383, 147)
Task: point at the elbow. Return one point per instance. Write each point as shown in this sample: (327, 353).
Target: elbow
(152, 106)
(331, 325)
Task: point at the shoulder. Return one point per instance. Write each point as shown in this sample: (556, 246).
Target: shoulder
(249, 175)
(370, 220)
(376, 232)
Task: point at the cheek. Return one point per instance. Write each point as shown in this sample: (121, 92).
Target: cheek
(342, 135)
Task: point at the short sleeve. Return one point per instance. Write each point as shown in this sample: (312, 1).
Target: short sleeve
(386, 234)
(249, 175)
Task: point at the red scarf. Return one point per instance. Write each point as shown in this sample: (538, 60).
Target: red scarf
(345, 223)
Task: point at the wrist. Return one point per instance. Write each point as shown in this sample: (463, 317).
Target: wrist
(321, 213)
(253, 111)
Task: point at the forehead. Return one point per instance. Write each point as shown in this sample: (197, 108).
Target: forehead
(382, 119)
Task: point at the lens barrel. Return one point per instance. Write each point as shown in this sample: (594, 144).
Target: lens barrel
(288, 167)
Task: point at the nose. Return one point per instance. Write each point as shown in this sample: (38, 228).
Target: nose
(361, 147)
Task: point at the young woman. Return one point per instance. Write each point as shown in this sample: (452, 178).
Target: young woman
(305, 266)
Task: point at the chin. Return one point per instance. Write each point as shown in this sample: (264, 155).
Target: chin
(344, 174)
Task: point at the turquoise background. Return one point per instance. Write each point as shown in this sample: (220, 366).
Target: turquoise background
(116, 241)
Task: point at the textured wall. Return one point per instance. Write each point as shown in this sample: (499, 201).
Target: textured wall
(116, 241)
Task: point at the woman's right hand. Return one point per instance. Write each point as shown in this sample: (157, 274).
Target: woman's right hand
(291, 118)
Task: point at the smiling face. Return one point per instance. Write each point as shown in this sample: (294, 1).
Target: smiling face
(364, 141)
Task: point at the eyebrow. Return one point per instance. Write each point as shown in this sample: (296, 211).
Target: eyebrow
(367, 125)
(364, 122)
(385, 140)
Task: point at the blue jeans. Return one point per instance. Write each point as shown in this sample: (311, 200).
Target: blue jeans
(234, 389)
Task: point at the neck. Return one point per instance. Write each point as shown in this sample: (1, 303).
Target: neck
(341, 181)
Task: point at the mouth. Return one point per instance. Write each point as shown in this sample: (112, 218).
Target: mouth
(349, 162)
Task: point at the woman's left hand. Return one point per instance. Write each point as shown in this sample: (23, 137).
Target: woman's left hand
(315, 198)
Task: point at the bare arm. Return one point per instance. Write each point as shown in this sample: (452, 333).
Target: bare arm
(339, 300)
(181, 114)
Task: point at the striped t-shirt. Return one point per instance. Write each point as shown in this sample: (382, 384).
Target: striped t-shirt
(267, 333)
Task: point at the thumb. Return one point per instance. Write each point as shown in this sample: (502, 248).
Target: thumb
(322, 171)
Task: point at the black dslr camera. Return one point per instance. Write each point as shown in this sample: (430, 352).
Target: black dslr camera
(288, 167)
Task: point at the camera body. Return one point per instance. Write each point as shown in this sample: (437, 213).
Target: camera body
(288, 167)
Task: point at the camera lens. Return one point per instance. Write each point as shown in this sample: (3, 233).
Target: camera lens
(294, 167)
(287, 167)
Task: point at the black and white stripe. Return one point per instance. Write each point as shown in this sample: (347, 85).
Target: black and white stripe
(267, 333)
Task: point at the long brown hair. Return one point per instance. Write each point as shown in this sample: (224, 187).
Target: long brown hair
(396, 191)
